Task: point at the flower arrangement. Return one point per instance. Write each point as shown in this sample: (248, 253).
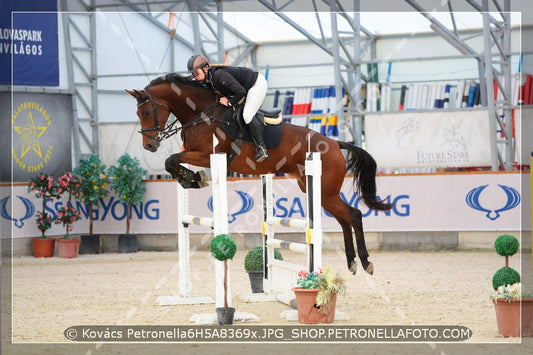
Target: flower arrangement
(94, 183)
(509, 292)
(326, 280)
(45, 187)
(44, 222)
(67, 215)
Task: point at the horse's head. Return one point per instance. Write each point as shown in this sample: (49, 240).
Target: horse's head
(153, 115)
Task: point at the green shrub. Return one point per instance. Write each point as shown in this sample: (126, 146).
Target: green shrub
(505, 276)
(506, 245)
(254, 259)
(223, 247)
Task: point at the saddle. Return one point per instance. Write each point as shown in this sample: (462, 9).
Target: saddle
(235, 127)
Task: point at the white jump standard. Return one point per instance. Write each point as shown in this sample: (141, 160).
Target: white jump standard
(219, 224)
(280, 276)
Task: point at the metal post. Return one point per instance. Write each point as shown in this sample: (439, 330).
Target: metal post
(490, 87)
(220, 30)
(337, 70)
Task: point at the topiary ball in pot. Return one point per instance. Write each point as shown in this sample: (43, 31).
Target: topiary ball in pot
(223, 247)
(254, 259)
(506, 245)
(505, 276)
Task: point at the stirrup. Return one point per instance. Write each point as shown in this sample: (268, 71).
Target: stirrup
(261, 154)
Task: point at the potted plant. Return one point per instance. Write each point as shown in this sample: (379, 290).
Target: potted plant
(68, 214)
(127, 182)
(93, 187)
(223, 247)
(509, 296)
(316, 295)
(45, 187)
(253, 264)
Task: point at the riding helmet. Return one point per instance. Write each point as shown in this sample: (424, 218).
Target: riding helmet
(196, 61)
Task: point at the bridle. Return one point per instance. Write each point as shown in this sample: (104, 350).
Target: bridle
(161, 134)
(170, 130)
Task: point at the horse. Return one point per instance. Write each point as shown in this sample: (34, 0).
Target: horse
(198, 111)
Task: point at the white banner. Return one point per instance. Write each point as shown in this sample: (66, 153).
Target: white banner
(429, 139)
(119, 138)
(433, 202)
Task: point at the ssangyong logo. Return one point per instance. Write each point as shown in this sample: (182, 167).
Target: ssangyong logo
(513, 200)
(247, 205)
(19, 222)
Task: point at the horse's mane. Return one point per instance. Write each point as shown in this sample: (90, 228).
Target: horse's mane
(176, 79)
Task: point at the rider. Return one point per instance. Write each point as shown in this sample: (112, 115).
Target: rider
(236, 85)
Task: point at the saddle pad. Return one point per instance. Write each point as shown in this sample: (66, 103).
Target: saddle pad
(271, 133)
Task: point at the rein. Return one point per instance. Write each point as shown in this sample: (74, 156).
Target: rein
(170, 130)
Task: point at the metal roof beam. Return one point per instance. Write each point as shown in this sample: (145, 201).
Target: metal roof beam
(351, 22)
(299, 28)
(154, 21)
(479, 8)
(240, 35)
(439, 28)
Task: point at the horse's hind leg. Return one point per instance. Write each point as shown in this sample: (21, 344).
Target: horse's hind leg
(350, 217)
(357, 224)
(348, 244)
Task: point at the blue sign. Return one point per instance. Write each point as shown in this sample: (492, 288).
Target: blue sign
(247, 205)
(513, 200)
(29, 43)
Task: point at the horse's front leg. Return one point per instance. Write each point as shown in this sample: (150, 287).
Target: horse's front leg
(186, 177)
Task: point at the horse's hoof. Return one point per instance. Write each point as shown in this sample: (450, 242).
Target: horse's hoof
(353, 267)
(201, 179)
(370, 268)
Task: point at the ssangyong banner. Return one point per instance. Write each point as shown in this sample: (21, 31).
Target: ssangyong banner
(429, 139)
(454, 202)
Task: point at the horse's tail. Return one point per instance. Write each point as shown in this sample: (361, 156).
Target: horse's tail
(363, 166)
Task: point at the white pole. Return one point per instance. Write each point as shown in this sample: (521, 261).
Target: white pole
(220, 215)
(184, 282)
(313, 172)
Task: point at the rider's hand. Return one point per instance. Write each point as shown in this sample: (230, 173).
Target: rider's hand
(224, 101)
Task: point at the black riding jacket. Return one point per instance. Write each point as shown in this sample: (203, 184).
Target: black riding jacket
(231, 82)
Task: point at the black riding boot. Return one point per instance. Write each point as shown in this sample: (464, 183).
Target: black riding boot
(254, 127)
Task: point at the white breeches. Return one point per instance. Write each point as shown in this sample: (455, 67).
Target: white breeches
(254, 98)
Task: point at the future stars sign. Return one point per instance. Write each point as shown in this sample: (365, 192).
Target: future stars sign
(40, 135)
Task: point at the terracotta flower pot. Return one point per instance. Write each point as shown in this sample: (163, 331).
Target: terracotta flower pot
(508, 317)
(68, 248)
(308, 311)
(43, 247)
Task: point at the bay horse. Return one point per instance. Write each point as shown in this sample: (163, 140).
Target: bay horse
(200, 115)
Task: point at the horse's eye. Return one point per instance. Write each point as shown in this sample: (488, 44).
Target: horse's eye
(146, 113)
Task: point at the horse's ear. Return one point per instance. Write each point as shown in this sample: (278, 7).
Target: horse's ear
(137, 95)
